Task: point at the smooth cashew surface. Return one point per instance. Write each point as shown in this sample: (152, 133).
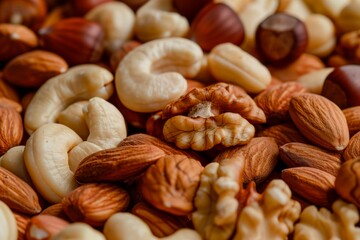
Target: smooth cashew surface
(159, 19)
(46, 159)
(117, 21)
(106, 130)
(81, 82)
(8, 227)
(154, 73)
(78, 231)
(13, 160)
(229, 63)
(127, 226)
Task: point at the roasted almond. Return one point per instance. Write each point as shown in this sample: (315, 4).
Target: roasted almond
(305, 155)
(94, 203)
(275, 100)
(8, 91)
(320, 120)
(33, 68)
(314, 185)
(44, 226)
(56, 210)
(17, 194)
(117, 164)
(352, 116)
(353, 148)
(22, 221)
(283, 133)
(11, 128)
(260, 156)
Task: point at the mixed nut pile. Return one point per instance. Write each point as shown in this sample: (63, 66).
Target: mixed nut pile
(179, 119)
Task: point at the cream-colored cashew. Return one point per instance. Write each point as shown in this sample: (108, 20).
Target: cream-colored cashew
(106, 130)
(321, 35)
(159, 19)
(329, 8)
(229, 63)
(117, 21)
(349, 17)
(78, 231)
(236, 5)
(127, 226)
(8, 226)
(13, 160)
(81, 82)
(46, 159)
(251, 16)
(153, 74)
(73, 117)
(314, 81)
(298, 8)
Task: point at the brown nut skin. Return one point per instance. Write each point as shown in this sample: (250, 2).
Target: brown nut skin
(281, 39)
(11, 128)
(348, 180)
(30, 13)
(189, 8)
(342, 86)
(44, 227)
(171, 183)
(77, 40)
(81, 7)
(120, 53)
(216, 23)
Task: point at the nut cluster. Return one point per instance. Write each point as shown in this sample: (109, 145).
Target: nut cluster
(179, 119)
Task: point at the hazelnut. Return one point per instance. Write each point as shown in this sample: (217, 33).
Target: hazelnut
(189, 8)
(216, 23)
(342, 86)
(281, 39)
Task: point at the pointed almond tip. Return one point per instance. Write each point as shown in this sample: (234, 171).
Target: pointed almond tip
(340, 148)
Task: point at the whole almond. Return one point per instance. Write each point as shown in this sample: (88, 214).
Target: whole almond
(44, 226)
(8, 91)
(352, 116)
(15, 39)
(314, 185)
(260, 156)
(17, 194)
(94, 203)
(56, 210)
(353, 148)
(117, 164)
(305, 155)
(275, 100)
(320, 120)
(11, 128)
(283, 133)
(22, 221)
(33, 68)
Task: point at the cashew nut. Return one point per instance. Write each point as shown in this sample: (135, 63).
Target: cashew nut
(117, 21)
(229, 63)
(78, 231)
(13, 160)
(106, 130)
(46, 159)
(159, 19)
(127, 226)
(8, 224)
(153, 74)
(73, 117)
(78, 83)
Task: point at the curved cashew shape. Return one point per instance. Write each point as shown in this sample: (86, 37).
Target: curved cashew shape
(106, 130)
(8, 223)
(127, 226)
(159, 19)
(46, 159)
(117, 21)
(73, 117)
(78, 83)
(78, 231)
(152, 75)
(13, 160)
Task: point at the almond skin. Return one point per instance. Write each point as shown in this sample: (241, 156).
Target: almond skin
(320, 120)
(17, 194)
(94, 203)
(11, 128)
(305, 155)
(314, 185)
(283, 133)
(21, 222)
(117, 164)
(353, 148)
(352, 116)
(260, 156)
(44, 227)
(33, 68)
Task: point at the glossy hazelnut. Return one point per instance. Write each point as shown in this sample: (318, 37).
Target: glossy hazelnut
(189, 8)
(342, 86)
(81, 7)
(216, 23)
(281, 39)
(77, 40)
